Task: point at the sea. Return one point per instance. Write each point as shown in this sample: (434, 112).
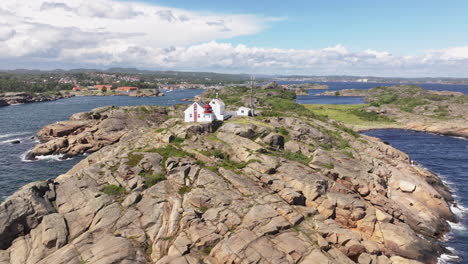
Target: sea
(446, 156)
(22, 122)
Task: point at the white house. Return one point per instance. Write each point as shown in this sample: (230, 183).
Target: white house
(244, 111)
(219, 108)
(199, 112)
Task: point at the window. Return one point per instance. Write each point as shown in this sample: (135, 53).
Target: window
(191, 115)
(242, 111)
(198, 115)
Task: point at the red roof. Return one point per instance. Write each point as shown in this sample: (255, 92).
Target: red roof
(127, 89)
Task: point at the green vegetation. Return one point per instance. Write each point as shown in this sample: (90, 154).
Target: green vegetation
(206, 251)
(134, 159)
(283, 131)
(200, 163)
(185, 189)
(113, 190)
(178, 141)
(170, 151)
(351, 115)
(203, 209)
(299, 157)
(328, 166)
(349, 154)
(152, 179)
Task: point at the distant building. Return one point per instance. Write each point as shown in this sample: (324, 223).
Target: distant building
(76, 88)
(103, 87)
(244, 111)
(127, 89)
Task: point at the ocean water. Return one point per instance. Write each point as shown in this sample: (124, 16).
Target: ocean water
(313, 97)
(447, 157)
(21, 122)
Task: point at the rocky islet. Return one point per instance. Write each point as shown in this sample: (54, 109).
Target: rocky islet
(289, 189)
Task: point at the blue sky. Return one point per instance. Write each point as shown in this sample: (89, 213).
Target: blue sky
(398, 26)
(411, 38)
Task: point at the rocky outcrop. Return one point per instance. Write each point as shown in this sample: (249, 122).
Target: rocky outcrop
(243, 193)
(411, 107)
(23, 98)
(90, 131)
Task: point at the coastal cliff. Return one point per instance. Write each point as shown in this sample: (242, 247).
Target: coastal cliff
(289, 188)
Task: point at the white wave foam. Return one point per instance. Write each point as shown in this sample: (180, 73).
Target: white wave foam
(449, 258)
(58, 157)
(10, 140)
(457, 226)
(14, 135)
(459, 210)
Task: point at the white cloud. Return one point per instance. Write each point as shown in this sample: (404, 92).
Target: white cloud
(105, 33)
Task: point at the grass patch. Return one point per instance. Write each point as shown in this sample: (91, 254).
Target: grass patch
(328, 166)
(349, 154)
(177, 141)
(203, 209)
(152, 179)
(299, 157)
(113, 190)
(185, 189)
(200, 163)
(351, 115)
(206, 251)
(283, 131)
(134, 159)
(170, 151)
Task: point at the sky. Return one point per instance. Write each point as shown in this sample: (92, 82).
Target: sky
(361, 37)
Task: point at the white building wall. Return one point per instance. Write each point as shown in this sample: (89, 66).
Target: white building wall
(190, 115)
(244, 111)
(219, 108)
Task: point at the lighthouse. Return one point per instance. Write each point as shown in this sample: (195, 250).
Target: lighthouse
(199, 112)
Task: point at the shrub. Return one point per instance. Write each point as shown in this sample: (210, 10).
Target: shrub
(177, 141)
(113, 190)
(152, 179)
(184, 190)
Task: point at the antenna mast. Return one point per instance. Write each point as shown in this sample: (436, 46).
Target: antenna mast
(252, 84)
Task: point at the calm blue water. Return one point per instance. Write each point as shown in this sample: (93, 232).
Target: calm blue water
(23, 121)
(446, 156)
(313, 97)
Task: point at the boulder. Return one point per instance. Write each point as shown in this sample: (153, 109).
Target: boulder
(244, 130)
(406, 186)
(274, 140)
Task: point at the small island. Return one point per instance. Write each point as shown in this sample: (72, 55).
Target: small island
(402, 106)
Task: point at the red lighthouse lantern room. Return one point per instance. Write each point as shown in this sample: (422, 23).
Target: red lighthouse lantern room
(208, 109)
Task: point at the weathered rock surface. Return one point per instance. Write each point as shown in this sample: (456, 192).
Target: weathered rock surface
(23, 98)
(90, 131)
(231, 196)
